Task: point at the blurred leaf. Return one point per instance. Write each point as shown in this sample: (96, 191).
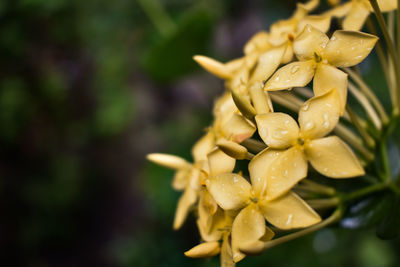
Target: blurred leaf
(389, 227)
(172, 56)
(367, 212)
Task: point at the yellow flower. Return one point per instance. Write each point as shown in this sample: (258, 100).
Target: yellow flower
(330, 156)
(249, 231)
(319, 57)
(357, 11)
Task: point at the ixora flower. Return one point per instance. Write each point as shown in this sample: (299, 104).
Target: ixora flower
(330, 156)
(356, 12)
(249, 231)
(319, 58)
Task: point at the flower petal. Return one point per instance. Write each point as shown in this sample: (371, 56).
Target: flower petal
(247, 228)
(220, 162)
(356, 17)
(319, 115)
(296, 74)
(331, 157)
(340, 10)
(258, 168)
(320, 22)
(309, 43)
(258, 42)
(237, 129)
(348, 48)
(213, 66)
(226, 253)
(328, 77)
(268, 62)
(186, 201)
(181, 178)
(206, 249)
(169, 161)
(288, 212)
(278, 130)
(203, 146)
(387, 5)
(286, 171)
(210, 225)
(231, 191)
(232, 149)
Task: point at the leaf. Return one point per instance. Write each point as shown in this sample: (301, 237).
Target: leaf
(389, 227)
(367, 212)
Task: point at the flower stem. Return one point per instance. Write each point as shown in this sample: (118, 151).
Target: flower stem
(368, 139)
(158, 16)
(336, 215)
(364, 191)
(323, 203)
(368, 93)
(253, 145)
(319, 188)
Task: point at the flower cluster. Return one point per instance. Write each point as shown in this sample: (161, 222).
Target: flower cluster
(238, 210)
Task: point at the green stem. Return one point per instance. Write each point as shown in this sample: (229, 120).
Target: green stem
(367, 138)
(364, 191)
(319, 188)
(336, 215)
(323, 203)
(389, 44)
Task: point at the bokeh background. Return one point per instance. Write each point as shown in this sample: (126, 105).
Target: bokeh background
(87, 89)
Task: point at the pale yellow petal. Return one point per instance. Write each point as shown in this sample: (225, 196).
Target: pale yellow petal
(231, 191)
(319, 115)
(210, 225)
(258, 168)
(233, 65)
(181, 179)
(267, 63)
(260, 98)
(259, 245)
(207, 249)
(289, 54)
(220, 162)
(203, 146)
(310, 5)
(309, 43)
(341, 10)
(226, 253)
(237, 129)
(213, 66)
(387, 5)
(348, 48)
(320, 22)
(258, 42)
(328, 77)
(356, 17)
(248, 227)
(296, 74)
(331, 157)
(232, 149)
(289, 212)
(286, 171)
(169, 161)
(186, 201)
(277, 130)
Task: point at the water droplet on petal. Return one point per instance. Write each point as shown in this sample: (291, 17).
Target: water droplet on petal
(294, 69)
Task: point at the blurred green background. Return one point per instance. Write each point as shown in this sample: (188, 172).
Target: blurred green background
(87, 89)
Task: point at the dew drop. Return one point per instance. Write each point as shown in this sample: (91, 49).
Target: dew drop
(309, 125)
(294, 69)
(306, 106)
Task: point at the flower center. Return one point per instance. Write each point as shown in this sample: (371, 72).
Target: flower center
(254, 199)
(300, 141)
(317, 57)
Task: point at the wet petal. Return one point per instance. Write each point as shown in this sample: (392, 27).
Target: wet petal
(213, 66)
(257, 246)
(232, 149)
(210, 225)
(203, 146)
(248, 227)
(169, 161)
(258, 168)
(328, 77)
(319, 115)
(268, 62)
(331, 157)
(207, 249)
(186, 201)
(309, 43)
(320, 22)
(278, 130)
(231, 191)
(286, 171)
(296, 74)
(348, 48)
(237, 129)
(288, 212)
(220, 162)
(356, 17)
